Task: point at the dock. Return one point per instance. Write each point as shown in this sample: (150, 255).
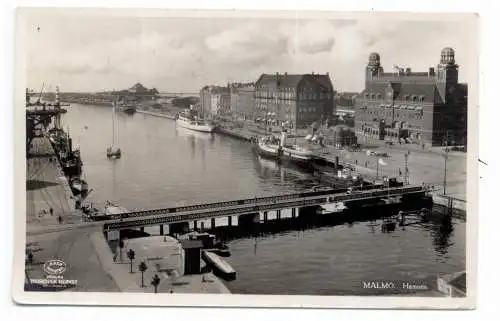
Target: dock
(46, 188)
(131, 282)
(156, 114)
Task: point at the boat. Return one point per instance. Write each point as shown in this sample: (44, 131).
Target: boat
(79, 186)
(220, 266)
(188, 119)
(113, 151)
(112, 209)
(127, 107)
(272, 147)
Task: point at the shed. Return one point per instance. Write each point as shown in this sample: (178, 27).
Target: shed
(192, 256)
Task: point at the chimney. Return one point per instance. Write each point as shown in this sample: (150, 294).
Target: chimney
(431, 71)
(327, 73)
(408, 71)
(286, 74)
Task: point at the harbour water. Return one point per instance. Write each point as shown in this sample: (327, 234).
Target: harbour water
(162, 166)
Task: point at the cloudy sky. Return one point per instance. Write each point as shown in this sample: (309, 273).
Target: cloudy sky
(83, 52)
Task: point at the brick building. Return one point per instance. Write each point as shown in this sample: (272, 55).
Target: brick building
(242, 100)
(422, 107)
(294, 101)
(215, 100)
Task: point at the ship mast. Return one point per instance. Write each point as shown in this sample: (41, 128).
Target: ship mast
(113, 125)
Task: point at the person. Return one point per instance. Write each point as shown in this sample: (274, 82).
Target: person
(400, 172)
(51, 211)
(59, 219)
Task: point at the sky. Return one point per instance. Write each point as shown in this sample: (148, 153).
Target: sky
(106, 51)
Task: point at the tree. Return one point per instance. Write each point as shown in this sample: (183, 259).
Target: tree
(142, 267)
(131, 256)
(155, 282)
(121, 245)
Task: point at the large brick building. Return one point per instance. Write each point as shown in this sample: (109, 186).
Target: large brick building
(422, 107)
(294, 101)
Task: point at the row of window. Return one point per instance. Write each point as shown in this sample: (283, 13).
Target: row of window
(405, 97)
(413, 115)
(293, 96)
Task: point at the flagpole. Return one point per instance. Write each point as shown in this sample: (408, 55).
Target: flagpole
(378, 160)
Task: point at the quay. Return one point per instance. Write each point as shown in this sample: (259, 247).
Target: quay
(155, 114)
(47, 188)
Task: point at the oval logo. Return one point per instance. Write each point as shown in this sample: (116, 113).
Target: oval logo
(54, 267)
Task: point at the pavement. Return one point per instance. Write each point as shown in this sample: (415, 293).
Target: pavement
(132, 282)
(48, 188)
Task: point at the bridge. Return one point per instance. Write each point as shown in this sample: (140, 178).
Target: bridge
(243, 207)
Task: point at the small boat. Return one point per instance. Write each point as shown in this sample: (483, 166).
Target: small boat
(221, 267)
(113, 151)
(389, 225)
(79, 186)
(128, 108)
(188, 120)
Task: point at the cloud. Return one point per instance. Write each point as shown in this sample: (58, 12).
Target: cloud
(184, 54)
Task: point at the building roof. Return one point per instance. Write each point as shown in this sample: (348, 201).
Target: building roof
(191, 244)
(292, 80)
(402, 89)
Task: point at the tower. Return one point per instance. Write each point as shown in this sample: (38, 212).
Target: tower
(373, 68)
(447, 74)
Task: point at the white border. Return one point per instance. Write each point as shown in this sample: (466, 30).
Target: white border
(435, 6)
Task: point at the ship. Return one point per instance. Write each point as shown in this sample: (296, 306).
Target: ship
(188, 119)
(127, 107)
(274, 148)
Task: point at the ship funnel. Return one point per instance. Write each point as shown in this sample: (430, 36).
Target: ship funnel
(283, 138)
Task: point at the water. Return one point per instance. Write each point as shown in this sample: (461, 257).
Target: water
(164, 166)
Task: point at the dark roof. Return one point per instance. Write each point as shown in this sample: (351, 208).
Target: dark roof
(284, 80)
(292, 80)
(402, 89)
(191, 244)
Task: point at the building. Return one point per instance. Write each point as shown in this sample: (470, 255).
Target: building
(215, 100)
(137, 93)
(294, 101)
(344, 103)
(242, 100)
(428, 108)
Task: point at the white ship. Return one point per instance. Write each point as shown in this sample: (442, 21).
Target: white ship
(190, 121)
